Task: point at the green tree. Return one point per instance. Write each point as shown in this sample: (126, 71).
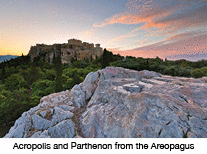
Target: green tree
(198, 73)
(75, 78)
(14, 82)
(68, 84)
(43, 87)
(3, 73)
(107, 57)
(80, 64)
(147, 63)
(14, 104)
(32, 75)
(173, 71)
(50, 75)
(58, 69)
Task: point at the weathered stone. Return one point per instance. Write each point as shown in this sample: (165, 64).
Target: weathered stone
(67, 108)
(32, 110)
(132, 88)
(36, 134)
(118, 102)
(44, 134)
(21, 127)
(60, 115)
(149, 74)
(64, 129)
(154, 105)
(40, 123)
(89, 84)
(78, 98)
(43, 113)
(143, 114)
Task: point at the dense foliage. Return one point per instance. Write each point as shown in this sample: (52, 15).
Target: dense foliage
(180, 68)
(23, 83)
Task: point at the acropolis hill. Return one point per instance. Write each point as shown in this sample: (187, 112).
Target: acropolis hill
(73, 50)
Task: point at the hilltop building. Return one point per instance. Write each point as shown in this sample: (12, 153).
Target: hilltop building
(73, 50)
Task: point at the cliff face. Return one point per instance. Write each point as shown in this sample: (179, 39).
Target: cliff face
(73, 50)
(118, 102)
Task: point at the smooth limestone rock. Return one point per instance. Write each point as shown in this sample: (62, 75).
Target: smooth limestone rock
(117, 102)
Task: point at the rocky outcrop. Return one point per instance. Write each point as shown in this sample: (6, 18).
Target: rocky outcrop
(118, 102)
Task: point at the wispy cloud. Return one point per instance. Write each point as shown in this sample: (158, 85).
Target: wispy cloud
(191, 16)
(180, 26)
(124, 18)
(163, 14)
(187, 45)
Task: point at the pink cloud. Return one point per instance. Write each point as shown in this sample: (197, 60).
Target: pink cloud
(124, 18)
(166, 18)
(176, 21)
(165, 15)
(186, 45)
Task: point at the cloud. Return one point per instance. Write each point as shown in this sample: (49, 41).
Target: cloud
(192, 57)
(177, 20)
(124, 18)
(186, 35)
(164, 28)
(186, 45)
(164, 15)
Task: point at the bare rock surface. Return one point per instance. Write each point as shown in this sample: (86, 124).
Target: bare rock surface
(117, 102)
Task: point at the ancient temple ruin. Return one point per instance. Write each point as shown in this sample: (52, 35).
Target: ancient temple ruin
(73, 50)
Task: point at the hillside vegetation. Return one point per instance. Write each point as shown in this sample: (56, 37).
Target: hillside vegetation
(23, 83)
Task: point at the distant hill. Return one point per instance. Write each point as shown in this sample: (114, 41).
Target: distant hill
(7, 57)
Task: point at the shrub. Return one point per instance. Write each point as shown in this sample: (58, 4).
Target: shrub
(43, 87)
(14, 82)
(184, 72)
(173, 71)
(198, 73)
(80, 64)
(68, 84)
(50, 75)
(131, 64)
(33, 75)
(14, 104)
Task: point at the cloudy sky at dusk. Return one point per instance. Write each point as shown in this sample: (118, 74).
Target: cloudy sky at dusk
(176, 29)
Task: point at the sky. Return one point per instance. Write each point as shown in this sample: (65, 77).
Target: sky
(172, 29)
